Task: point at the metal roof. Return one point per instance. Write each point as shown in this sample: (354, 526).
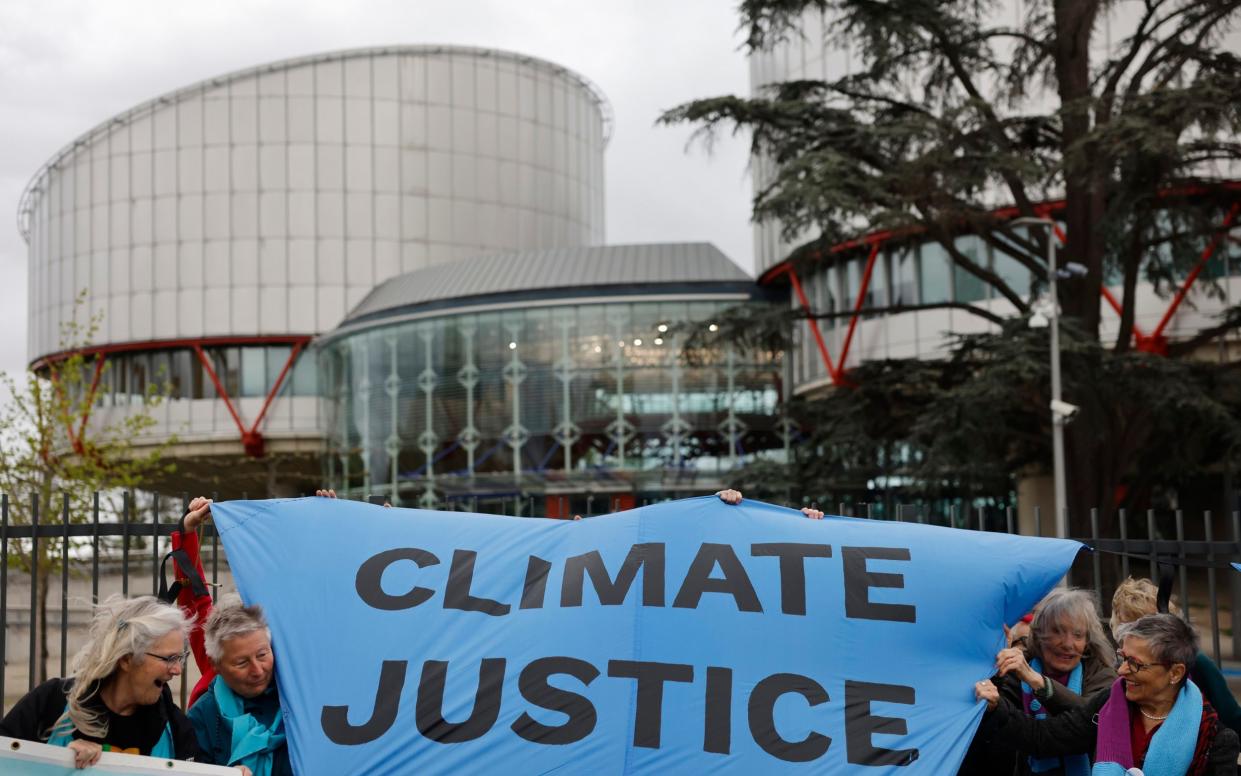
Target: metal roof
(564, 269)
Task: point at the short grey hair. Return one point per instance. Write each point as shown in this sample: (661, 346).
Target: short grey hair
(1171, 639)
(229, 619)
(1077, 607)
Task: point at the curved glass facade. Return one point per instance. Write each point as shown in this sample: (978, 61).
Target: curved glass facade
(920, 272)
(563, 399)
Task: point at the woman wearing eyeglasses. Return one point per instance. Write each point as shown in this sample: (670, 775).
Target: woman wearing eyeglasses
(118, 698)
(1136, 598)
(1152, 718)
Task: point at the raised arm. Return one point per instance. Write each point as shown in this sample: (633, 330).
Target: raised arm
(196, 607)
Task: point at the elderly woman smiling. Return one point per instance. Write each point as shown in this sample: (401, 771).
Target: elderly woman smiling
(1065, 660)
(118, 698)
(1152, 718)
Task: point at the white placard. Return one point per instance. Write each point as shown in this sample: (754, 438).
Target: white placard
(26, 758)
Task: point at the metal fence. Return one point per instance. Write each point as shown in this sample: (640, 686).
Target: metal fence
(81, 557)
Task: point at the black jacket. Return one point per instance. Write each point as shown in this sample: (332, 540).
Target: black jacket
(32, 718)
(1075, 731)
(989, 758)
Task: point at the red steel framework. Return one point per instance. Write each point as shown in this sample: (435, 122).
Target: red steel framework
(1153, 342)
(251, 437)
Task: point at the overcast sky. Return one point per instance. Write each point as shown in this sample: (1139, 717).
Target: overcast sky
(66, 65)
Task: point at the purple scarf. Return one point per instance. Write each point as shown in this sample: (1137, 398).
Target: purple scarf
(1112, 744)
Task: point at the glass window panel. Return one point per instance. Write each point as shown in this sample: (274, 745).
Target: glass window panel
(305, 377)
(254, 372)
(1012, 272)
(161, 372)
(935, 275)
(967, 286)
(904, 281)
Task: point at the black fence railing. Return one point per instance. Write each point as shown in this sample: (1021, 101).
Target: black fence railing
(119, 548)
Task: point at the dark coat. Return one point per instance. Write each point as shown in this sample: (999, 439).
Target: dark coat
(1075, 732)
(989, 758)
(32, 718)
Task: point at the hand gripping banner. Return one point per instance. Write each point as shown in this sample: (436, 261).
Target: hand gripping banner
(683, 637)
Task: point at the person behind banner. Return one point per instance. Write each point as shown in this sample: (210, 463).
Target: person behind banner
(1153, 717)
(1136, 598)
(238, 720)
(197, 602)
(734, 497)
(117, 699)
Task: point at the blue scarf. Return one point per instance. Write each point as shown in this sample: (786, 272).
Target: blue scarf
(1074, 765)
(251, 744)
(1172, 747)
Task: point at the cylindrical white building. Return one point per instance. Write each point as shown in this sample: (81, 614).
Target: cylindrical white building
(215, 230)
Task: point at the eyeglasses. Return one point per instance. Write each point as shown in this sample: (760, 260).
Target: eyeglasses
(1135, 665)
(172, 661)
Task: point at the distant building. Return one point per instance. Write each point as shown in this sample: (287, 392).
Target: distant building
(220, 228)
(438, 204)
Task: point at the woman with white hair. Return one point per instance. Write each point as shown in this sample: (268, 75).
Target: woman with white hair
(1152, 720)
(118, 697)
(1065, 660)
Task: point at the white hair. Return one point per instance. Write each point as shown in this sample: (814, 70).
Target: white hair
(120, 628)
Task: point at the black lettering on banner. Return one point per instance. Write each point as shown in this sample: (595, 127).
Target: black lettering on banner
(792, 557)
(535, 588)
(647, 557)
(763, 723)
(369, 582)
(859, 581)
(430, 707)
(648, 716)
(718, 727)
(457, 594)
(534, 688)
(335, 719)
(698, 579)
(860, 724)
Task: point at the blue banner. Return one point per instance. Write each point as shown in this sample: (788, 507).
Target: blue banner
(683, 637)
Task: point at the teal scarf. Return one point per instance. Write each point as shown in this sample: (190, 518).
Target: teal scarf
(252, 744)
(1073, 765)
(1171, 751)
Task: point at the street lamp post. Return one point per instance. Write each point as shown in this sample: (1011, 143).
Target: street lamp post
(1060, 411)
